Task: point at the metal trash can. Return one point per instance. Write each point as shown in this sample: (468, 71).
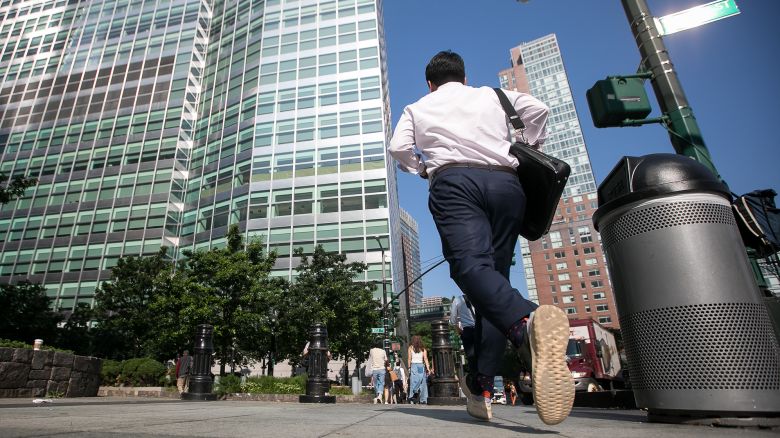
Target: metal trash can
(698, 337)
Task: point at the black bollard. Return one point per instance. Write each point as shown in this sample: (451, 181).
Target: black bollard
(201, 382)
(445, 384)
(317, 383)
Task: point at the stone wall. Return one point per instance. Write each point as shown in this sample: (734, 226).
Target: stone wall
(36, 373)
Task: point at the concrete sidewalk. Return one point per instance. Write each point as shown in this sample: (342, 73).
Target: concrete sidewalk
(125, 417)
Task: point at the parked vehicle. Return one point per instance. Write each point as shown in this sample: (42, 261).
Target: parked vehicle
(592, 357)
(498, 390)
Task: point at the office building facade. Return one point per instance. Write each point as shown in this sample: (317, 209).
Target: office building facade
(566, 267)
(410, 244)
(156, 124)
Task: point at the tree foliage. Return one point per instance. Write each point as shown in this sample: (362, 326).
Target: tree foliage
(76, 334)
(25, 313)
(127, 321)
(231, 288)
(148, 309)
(325, 291)
(14, 188)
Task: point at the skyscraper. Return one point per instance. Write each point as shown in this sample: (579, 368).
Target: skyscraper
(566, 267)
(161, 123)
(410, 243)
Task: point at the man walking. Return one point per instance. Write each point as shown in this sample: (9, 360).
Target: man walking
(183, 369)
(375, 364)
(462, 318)
(459, 137)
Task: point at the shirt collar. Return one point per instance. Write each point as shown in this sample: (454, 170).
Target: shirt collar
(451, 84)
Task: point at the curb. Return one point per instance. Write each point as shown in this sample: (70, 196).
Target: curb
(161, 392)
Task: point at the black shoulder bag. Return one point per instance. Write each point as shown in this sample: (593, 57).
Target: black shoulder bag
(542, 176)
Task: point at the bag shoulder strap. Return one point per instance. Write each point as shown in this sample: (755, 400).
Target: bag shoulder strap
(510, 110)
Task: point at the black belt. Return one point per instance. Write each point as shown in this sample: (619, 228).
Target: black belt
(490, 167)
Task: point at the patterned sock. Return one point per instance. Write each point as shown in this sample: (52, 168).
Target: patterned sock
(485, 385)
(517, 332)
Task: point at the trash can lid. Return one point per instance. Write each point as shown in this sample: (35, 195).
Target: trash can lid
(650, 176)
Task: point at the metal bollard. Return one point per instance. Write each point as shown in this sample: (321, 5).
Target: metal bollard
(200, 387)
(317, 383)
(445, 385)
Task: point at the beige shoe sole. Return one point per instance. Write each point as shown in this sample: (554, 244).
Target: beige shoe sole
(553, 385)
(478, 408)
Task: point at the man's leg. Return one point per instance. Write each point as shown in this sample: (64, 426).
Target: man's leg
(467, 204)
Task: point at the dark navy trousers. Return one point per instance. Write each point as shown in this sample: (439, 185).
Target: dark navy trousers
(477, 213)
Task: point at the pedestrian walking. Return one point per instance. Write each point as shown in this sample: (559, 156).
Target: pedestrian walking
(389, 392)
(183, 369)
(458, 137)
(376, 365)
(400, 384)
(418, 367)
(462, 318)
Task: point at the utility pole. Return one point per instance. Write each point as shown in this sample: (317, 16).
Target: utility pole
(384, 298)
(408, 330)
(684, 131)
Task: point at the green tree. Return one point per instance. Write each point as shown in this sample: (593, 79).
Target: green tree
(326, 290)
(423, 330)
(76, 334)
(25, 313)
(127, 321)
(237, 295)
(14, 188)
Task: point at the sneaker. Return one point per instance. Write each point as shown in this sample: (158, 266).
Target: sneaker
(464, 384)
(553, 386)
(479, 406)
(377, 400)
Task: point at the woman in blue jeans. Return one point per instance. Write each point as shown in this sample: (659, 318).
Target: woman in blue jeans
(418, 365)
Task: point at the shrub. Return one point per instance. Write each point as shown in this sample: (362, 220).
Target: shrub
(142, 371)
(229, 384)
(8, 343)
(275, 385)
(110, 372)
(13, 344)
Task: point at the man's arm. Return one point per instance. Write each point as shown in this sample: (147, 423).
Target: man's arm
(534, 115)
(402, 145)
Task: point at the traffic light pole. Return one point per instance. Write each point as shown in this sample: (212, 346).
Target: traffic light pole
(384, 299)
(684, 131)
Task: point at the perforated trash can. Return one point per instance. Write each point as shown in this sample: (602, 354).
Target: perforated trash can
(698, 337)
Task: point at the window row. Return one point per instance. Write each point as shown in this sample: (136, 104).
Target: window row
(74, 259)
(97, 189)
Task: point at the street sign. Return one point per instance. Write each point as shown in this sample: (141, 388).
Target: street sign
(377, 330)
(696, 16)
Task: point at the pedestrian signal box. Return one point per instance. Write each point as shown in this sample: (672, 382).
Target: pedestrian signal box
(614, 100)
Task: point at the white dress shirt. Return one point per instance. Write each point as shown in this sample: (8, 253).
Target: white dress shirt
(462, 124)
(461, 314)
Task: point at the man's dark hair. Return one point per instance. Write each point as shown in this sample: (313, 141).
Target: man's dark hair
(445, 66)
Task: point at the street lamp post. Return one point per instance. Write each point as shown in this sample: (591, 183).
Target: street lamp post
(384, 296)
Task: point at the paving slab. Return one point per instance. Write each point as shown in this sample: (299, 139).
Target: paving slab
(124, 417)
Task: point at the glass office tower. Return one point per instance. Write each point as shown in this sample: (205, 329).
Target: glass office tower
(161, 123)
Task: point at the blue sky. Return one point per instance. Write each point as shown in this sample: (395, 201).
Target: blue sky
(728, 69)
